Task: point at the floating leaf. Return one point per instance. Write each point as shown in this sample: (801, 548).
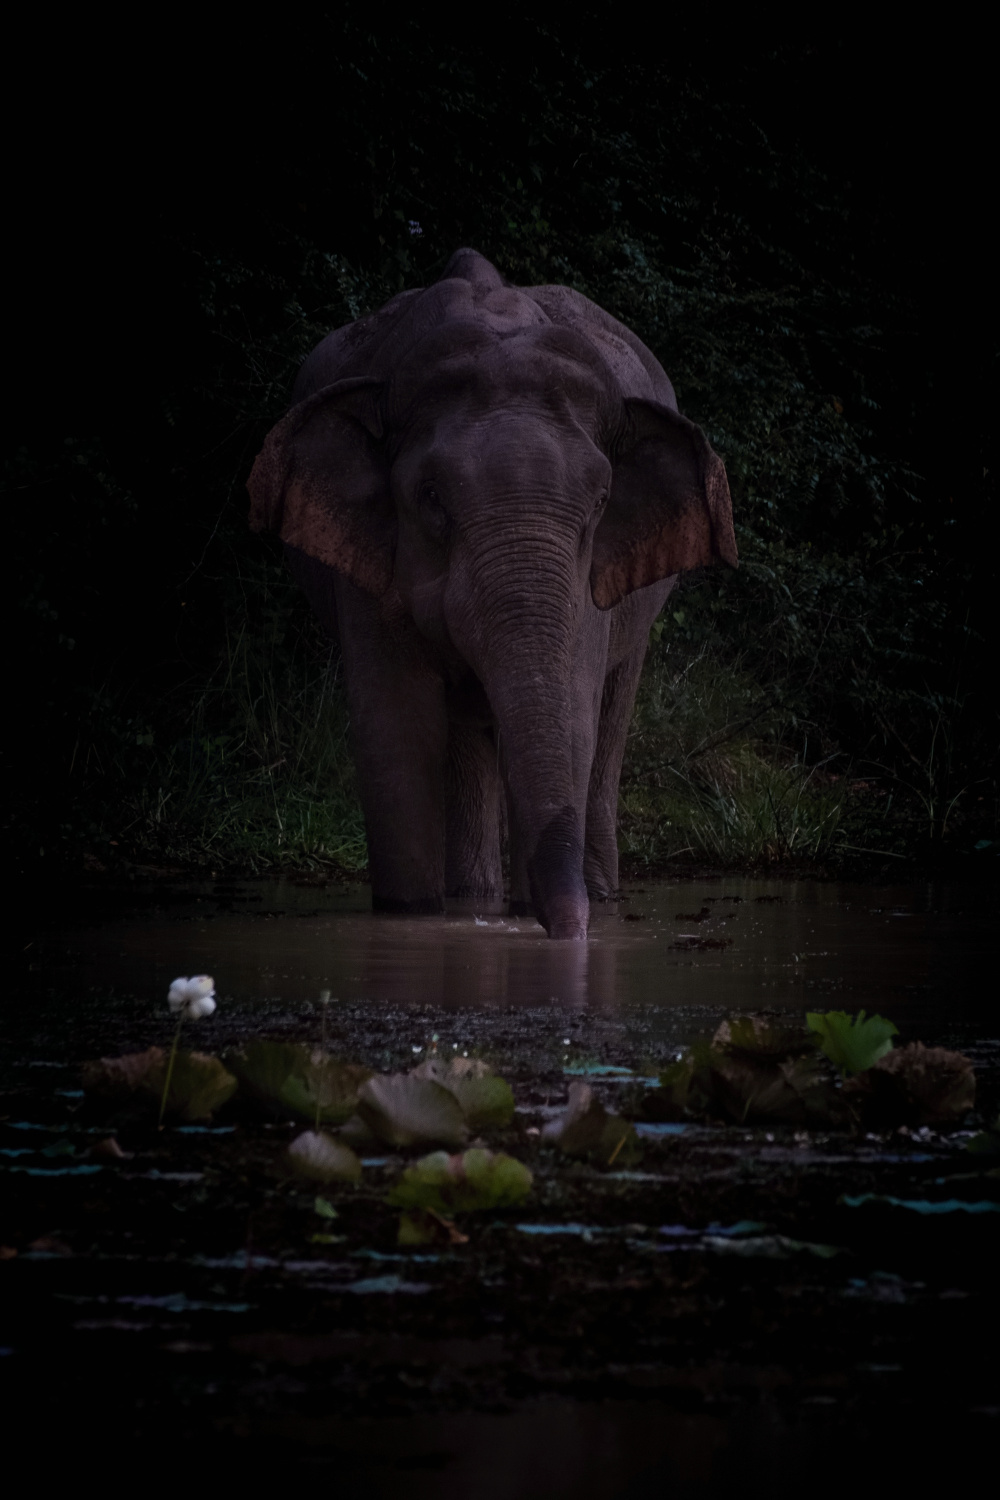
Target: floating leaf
(324, 1208)
(402, 1110)
(757, 1090)
(917, 1085)
(485, 1099)
(316, 1155)
(852, 1043)
(474, 1180)
(588, 1129)
(299, 1080)
(199, 1083)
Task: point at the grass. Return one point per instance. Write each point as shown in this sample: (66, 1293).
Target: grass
(708, 775)
(259, 775)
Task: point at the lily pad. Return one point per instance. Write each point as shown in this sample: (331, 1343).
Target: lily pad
(402, 1110)
(465, 1183)
(199, 1083)
(748, 1089)
(852, 1043)
(485, 1099)
(916, 1085)
(317, 1156)
(297, 1080)
(587, 1129)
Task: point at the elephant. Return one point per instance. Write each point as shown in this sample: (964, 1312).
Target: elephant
(488, 492)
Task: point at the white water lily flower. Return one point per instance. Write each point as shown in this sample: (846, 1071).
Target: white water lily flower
(197, 1009)
(192, 998)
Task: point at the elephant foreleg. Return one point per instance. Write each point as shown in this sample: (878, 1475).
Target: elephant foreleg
(600, 860)
(399, 733)
(472, 814)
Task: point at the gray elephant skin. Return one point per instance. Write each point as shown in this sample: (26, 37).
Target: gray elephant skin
(488, 492)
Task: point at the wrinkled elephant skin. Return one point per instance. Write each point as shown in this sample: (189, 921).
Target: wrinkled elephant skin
(488, 491)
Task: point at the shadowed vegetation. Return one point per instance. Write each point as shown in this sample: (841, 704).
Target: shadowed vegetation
(826, 699)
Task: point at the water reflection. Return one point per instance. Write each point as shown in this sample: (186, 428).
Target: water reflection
(787, 944)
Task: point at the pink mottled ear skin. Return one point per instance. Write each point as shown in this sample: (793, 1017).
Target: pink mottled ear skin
(321, 482)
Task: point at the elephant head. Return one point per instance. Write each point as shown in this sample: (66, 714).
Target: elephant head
(488, 471)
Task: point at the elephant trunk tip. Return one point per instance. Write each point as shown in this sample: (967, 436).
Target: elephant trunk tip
(567, 918)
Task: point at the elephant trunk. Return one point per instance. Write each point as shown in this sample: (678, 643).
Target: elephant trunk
(548, 826)
(524, 656)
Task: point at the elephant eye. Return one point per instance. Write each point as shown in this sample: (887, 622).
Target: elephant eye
(435, 518)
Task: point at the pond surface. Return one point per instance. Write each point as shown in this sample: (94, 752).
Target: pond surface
(734, 1299)
(922, 955)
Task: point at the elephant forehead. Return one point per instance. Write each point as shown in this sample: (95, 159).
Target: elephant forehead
(478, 370)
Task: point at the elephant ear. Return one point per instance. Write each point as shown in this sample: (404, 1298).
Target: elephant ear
(669, 509)
(321, 480)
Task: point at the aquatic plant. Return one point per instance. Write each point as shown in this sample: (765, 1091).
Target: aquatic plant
(484, 1098)
(588, 1129)
(319, 1157)
(197, 1085)
(189, 1000)
(916, 1085)
(402, 1109)
(852, 1043)
(296, 1079)
(473, 1180)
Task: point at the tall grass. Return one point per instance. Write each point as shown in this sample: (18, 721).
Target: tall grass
(709, 773)
(260, 773)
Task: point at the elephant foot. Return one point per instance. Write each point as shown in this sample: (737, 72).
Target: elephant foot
(602, 893)
(421, 905)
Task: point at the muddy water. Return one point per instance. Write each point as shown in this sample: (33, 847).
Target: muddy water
(920, 954)
(602, 1345)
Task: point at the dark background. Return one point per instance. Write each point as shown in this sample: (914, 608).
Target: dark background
(797, 225)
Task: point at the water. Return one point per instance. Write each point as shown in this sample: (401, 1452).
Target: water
(921, 954)
(562, 1349)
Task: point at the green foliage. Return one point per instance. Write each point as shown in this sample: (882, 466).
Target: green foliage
(852, 1043)
(293, 1079)
(485, 1100)
(401, 1109)
(471, 1182)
